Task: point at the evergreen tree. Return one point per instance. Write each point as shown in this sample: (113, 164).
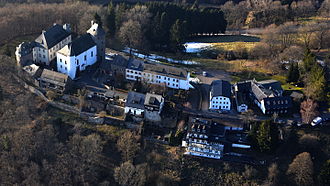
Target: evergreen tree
(293, 73)
(97, 19)
(308, 61)
(267, 136)
(289, 77)
(178, 35)
(111, 19)
(324, 176)
(315, 83)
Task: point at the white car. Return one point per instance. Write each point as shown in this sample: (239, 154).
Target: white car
(316, 121)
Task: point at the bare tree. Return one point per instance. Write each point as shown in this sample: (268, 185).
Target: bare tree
(130, 34)
(129, 175)
(273, 175)
(128, 145)
(301, 169)
(308, 110)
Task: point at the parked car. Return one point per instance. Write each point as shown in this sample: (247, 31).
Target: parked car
(316, 121)
(204, 74)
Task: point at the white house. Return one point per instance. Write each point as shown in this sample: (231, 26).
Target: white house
(220, 95)
(77, 55)
(49, 42)
(168, 76)
(135, 103)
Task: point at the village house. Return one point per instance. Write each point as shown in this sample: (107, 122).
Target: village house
(242, 93)
(118, 65)
(267, 95)
(220, 95)
(148, 105)
(160, 74)
(24, 54)
(76, 56)
(54, 81)
(106, 94)
(135, 104)
(49, 42)
(153, 105)
(204, 138)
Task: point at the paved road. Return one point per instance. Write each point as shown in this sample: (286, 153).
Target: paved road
(205, 91)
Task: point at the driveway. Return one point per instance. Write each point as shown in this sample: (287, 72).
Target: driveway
(213, 75)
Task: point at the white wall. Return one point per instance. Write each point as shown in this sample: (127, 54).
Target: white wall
(219, 102)
(68, 64)
(42, 55)
(242, 108)
(134, 111)
(153, 78)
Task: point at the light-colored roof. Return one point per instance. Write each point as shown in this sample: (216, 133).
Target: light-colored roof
(153, 99)
(54, 77)
(31, 69)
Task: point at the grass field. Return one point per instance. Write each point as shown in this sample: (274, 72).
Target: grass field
(233, 46)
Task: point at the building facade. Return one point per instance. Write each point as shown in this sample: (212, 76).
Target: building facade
(98, 35)
(203, 138)
(49, 42)
(76, 56)
(165, 75)
(135, 104)
(24, 54)
(220, 95)
(54, 81)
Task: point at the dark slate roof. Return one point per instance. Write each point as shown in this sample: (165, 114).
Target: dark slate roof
(220, 88)
(78, 46)
(165, 70)
(119, 60)
(52, 36)
(271, 84)
(135, 100)
(135, 64)
(244, 86)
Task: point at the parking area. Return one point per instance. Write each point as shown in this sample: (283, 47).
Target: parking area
(212, 75)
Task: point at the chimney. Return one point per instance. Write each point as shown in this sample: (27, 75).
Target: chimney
(67, 27)
(92, 22)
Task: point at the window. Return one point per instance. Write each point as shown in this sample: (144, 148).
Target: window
(61, 66)
(91, 53)
(39, 55)
(51, 56)
(66, 68)
(60, 60)
(85, 57)
(77, 62)
(65, 62)
(44, 56)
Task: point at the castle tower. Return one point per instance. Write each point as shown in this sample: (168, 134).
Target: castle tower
(98, 35)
